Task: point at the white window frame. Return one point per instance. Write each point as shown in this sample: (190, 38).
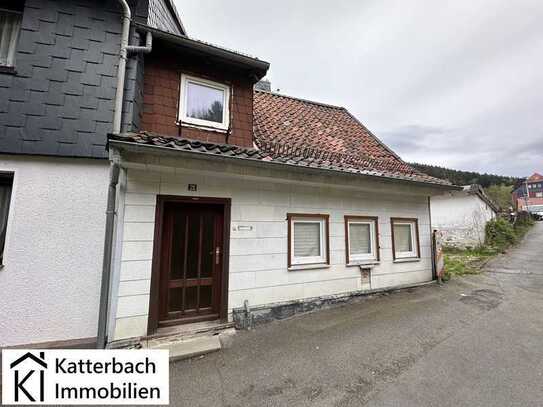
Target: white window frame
(374, 253)
(184, 118)
(323, 257)
(413, 224)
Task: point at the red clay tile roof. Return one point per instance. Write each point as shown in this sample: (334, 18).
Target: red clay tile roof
(301, 133)
(521, 202)
(253, 154)
(285, 125)
(535, 177)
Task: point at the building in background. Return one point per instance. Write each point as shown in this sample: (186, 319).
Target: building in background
(528, 194)
(461, 216)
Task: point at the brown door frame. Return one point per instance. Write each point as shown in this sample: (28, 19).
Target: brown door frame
(152, 324)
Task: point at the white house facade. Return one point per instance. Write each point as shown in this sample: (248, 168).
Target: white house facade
(50, 276)
(263, 201)
(461, 216)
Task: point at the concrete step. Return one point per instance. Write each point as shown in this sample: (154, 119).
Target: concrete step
(188, 348)
(188, 330)
(184, 347)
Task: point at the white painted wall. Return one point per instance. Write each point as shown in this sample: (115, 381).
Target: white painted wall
(258, 258)
(461, 217)
(50, 282)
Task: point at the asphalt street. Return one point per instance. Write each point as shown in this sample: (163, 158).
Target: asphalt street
(474, 341)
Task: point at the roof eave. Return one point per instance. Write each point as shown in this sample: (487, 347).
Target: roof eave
(259, 66)
(145, 148)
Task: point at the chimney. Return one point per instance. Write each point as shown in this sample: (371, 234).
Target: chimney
(264, 85)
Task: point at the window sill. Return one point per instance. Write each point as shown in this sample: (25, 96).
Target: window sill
(407, 260)
(202, 127)
(8, 70)
(363, 263)
(308, 267)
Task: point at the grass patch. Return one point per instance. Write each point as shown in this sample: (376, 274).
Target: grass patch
(500, 235)
(469, 261)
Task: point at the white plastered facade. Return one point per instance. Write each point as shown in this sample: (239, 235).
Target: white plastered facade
(260, 201)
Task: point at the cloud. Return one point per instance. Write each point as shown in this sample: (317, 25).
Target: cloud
(413, 138)
(457, 84)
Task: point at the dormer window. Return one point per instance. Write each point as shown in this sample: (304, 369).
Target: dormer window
(204, 103)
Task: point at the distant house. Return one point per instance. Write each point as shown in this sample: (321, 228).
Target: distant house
(462, 215)
(528, 196)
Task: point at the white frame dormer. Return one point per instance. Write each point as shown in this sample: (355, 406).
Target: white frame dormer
(183, 104)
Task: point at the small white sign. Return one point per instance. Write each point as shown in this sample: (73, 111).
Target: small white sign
(85, 376)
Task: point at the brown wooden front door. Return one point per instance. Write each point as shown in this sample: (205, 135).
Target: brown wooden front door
(191, 262)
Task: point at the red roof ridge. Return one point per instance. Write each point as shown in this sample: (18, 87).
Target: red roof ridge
(535, 177)
(289, 127)
(313, 102)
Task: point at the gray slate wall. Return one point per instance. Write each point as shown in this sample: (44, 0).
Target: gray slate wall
(161, 17)
(60, 101)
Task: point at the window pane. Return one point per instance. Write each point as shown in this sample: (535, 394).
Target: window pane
(402, 238)
(204, 102)
(6, 182)
(206, 298)
(208, 251)
(359, 238)
(9, 31)
(177, 265)
(307, 239)
(193, 241)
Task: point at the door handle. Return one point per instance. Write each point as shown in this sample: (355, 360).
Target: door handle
(217, 255)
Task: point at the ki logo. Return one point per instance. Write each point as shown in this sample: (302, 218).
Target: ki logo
(29, 378)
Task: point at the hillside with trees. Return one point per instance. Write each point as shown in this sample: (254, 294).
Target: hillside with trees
(501, 194)
(458, 177)
(497, 187)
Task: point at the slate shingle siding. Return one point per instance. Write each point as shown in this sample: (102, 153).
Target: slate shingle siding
(161, 17)
(60, 102)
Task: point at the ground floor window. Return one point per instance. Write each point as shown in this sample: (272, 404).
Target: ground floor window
(6, 184)
(405, 238)
(308, 239)
(361, 239)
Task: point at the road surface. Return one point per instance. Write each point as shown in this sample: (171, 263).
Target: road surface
(475, 341)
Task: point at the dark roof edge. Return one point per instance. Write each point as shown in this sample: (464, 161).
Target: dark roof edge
(177, 17)
(137, 146)
(476, 189)
(211, 49)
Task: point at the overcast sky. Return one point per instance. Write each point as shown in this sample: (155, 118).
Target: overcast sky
(453, 83)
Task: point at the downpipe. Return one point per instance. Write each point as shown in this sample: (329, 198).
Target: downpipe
(114, 170)
(105, 289)
(121, 72)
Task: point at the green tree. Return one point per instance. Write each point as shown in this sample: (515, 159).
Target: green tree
(464, 177)
(501, 194)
